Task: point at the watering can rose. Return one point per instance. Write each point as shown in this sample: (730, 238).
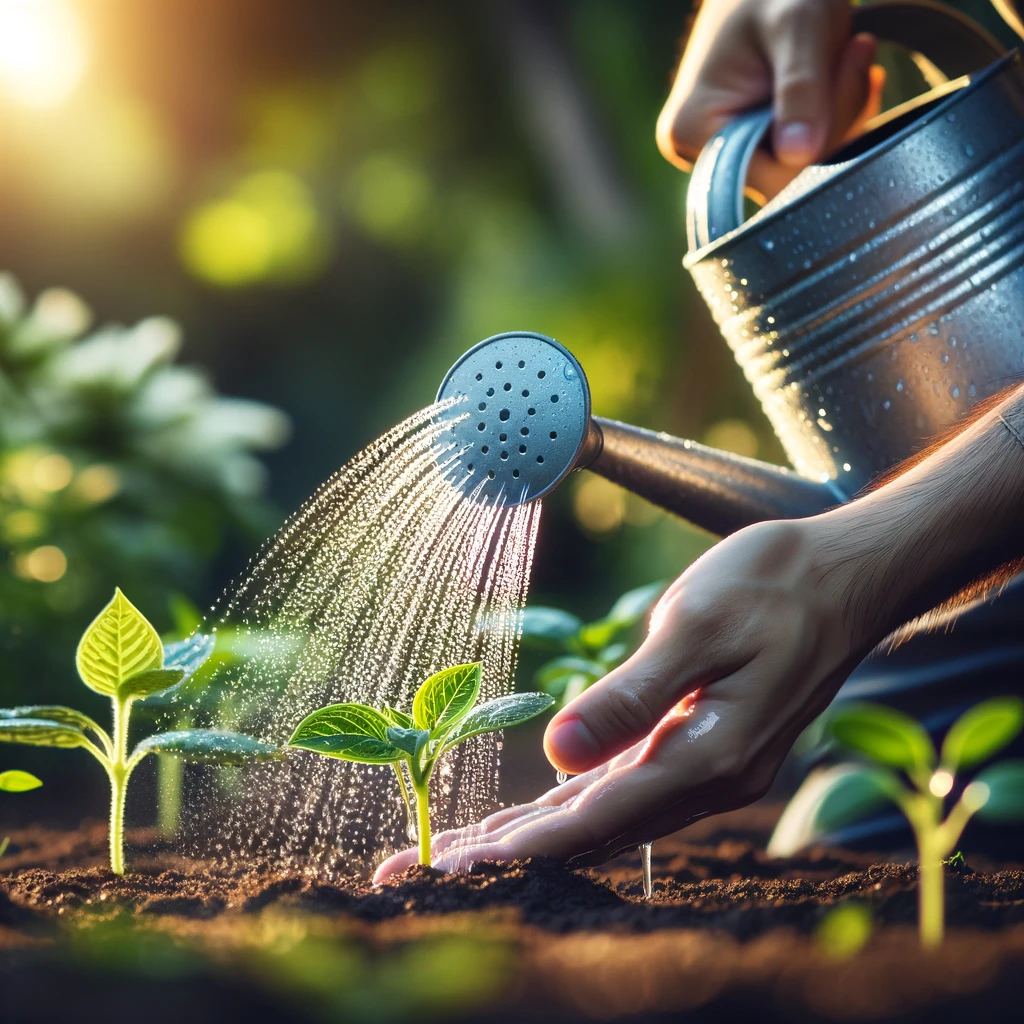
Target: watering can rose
(444, 713)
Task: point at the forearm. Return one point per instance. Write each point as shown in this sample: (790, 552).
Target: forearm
(952, 519)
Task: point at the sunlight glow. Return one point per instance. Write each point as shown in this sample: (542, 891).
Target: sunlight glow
(43, 52)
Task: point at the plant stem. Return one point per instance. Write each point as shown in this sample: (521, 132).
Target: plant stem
(423, 819)
(118, 772)
(930, 895)
(118, 791)
(404, 790)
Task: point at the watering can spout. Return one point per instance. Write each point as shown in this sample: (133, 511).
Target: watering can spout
(522, 423)
(715, 490)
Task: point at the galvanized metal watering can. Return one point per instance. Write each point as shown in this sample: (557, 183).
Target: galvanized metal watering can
(870, 305)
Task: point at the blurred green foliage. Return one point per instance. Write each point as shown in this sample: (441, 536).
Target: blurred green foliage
(588, 650)
(117, 466)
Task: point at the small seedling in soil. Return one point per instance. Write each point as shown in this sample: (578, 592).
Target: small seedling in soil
(14, 781)
(121, 657)
(588, 650)
(444, 713)
(907, 771)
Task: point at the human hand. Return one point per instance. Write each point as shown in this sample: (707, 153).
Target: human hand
(797, 54)
(745, 649)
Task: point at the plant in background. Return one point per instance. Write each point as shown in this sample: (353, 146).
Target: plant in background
(589, 650)
(116, 466)
(121, 657)
(14, 781)
(444, 714)
(905, 769)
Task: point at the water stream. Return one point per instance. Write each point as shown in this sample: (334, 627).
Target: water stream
(385, 575)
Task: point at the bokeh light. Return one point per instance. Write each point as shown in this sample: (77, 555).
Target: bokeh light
(43, 51)
(600, 505)
(45, 564)
(268, 228)
(733, 435)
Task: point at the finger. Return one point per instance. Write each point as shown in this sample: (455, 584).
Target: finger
(395, 865)
(690, 647)
(802, 43)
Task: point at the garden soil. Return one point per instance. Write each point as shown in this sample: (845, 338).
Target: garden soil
(728, 934)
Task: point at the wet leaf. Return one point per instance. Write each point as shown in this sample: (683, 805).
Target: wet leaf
(351, 732)
(189, 654)
(119, 643)
(501, 713)
(444, 699)
(884, 735)
(15, 781)
(208, 746)
(54, 713)
(40, 732)
(412, 741)
(153, 681)
(981, 732)
(1004, 801)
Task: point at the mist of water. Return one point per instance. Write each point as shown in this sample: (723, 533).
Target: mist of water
(391, 571)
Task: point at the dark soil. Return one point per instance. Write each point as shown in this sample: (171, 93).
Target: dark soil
(727, 930)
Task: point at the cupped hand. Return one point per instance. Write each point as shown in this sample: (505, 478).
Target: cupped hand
(745, 649)
(796, 54)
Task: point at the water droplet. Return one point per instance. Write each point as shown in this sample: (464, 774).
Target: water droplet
(955, 392)
(768, 244)
(899, 384)
(846, 467)
(886, 404)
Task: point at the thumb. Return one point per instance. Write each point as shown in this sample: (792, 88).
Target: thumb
(628, 703)
(802, 42)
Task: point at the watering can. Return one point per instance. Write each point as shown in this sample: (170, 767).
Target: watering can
(870, 305)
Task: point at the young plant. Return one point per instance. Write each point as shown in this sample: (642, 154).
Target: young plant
(905, 769)
(121, 657)
(14, 781)
(444, 713)
(588, 650)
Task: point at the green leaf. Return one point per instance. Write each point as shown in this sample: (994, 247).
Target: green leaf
(351, 732)
(568, 665)
(829, 799)
(40, 732)
(54, 713)
(14, 781)
(883, 735)
(500, 713)
(397, 718)
(1005, 798)
(208, 746)
(596, 635)
(150, 682)
(119, 644)
(190, 654)
(412, 741)
(981, 732)
(446, 698)
(635, 604)
(549, 627)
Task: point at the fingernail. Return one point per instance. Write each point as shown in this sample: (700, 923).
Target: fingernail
(572, 743)
(796, 142)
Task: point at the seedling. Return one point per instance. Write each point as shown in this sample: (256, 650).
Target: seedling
(444, 714)
(588, 650)
(905, 769)
(14, 781)
(121, 657)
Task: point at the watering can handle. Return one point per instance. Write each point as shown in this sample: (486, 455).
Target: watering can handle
(954, 43)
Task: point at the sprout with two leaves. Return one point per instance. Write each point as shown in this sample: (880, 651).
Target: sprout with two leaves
(444, 713)
(121, 657)
(905, 769)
